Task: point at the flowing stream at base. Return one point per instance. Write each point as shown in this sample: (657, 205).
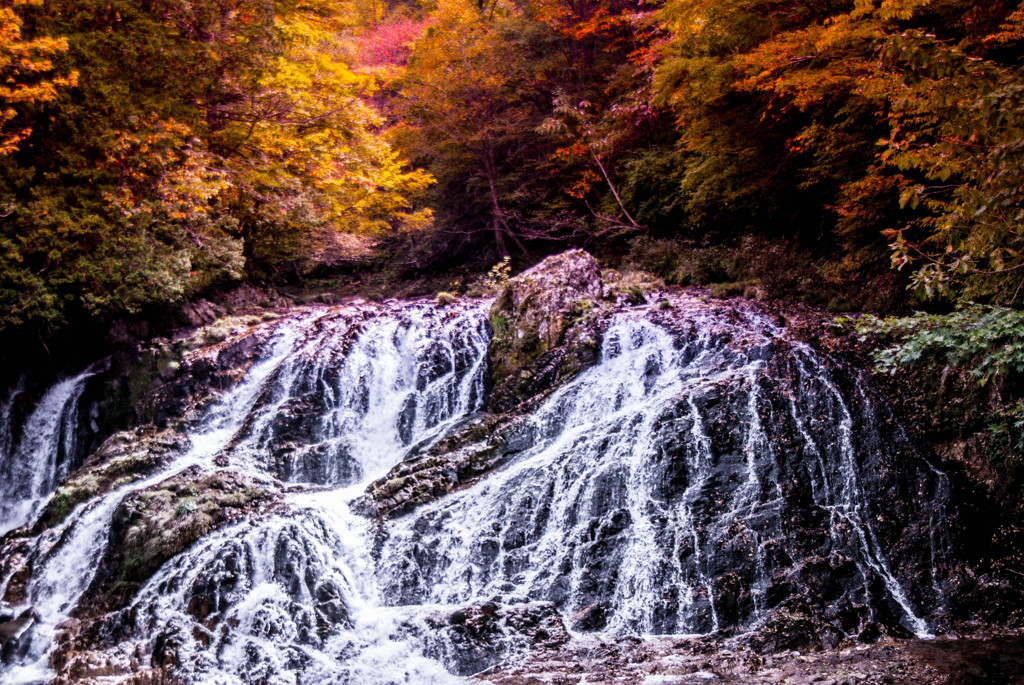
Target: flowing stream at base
(650, 496)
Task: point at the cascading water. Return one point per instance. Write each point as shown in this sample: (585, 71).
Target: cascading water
(34, 459)
(299, 589)
(388, 383)
(684, 484)
(632, 517)
(78, 544)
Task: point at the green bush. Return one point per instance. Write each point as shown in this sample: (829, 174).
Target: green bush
(446, 298)
(682, 262)
(185, 507)
(783, 271)
(778, 267)
(981, 345)
(986, 341)
(729, 289)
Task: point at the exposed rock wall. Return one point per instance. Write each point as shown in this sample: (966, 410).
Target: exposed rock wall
(547, 325)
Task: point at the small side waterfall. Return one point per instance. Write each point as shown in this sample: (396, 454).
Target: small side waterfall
(34, 459)
(706, 472)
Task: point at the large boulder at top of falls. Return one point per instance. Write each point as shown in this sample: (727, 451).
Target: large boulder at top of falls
(547, 325)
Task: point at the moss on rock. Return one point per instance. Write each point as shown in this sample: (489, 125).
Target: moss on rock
(535, 308)
(124, 457)
(153, 525)
(546, 323)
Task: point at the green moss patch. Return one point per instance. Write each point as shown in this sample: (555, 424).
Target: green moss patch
(151, 526)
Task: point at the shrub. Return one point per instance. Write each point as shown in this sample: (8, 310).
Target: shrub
(681, 262)
(728, 289)
(446, 298)
(980, 346)
(986, 341)
(781, 269)
(185, 507)
(497, 278)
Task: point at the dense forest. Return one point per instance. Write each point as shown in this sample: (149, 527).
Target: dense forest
(860, 154)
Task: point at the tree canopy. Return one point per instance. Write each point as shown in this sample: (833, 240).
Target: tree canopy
(150, 149)
(154, 148)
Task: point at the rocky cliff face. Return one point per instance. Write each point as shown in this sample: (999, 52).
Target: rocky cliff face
(414, 493)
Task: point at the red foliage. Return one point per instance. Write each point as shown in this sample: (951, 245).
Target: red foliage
(389, 44)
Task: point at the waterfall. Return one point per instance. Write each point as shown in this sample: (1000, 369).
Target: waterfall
(300, 589)
(678, 486)
(402, 380)
(345, 407)
(35, 459)
(588, 517)
(79, 542)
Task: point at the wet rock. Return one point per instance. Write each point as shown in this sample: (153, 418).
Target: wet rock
(201, 312)
(122, 458)
(153, 525)
(478, 637)
(453, 463)
(786, 630)
(547, 326)
(15, 635)
(247, 297)
(14, 557)
(984, 659)
(592, 618)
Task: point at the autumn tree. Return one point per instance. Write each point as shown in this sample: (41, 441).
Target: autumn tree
(467, 112)
(524, 111)
(304, 155)
(29, 75)
(931, 82)
(202, 142)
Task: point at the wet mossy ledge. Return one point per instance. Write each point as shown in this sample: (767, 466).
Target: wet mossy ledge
(546, 324)
(123, 458)
(155, 524)
(160, 388)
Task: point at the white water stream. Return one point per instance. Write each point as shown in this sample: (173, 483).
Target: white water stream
(32, 464)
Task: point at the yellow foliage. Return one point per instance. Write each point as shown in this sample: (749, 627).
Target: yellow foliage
(25, 74)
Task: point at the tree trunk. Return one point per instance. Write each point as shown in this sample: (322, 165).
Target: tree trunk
(496, 213)
(615, 192)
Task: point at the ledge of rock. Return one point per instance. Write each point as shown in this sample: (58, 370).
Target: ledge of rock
(479, 637)
(152, 525)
